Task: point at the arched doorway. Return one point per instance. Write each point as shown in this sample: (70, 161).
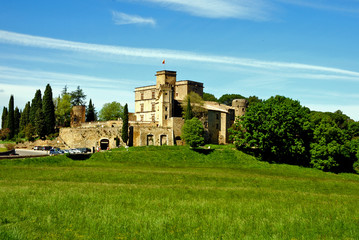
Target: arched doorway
(104, 144)
(150, 140)
(163, 140)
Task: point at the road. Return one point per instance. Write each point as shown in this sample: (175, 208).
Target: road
(26, 152)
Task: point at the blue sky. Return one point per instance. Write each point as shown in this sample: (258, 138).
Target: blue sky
(303, 49)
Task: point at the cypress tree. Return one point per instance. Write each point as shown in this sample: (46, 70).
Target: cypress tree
(25, 117)
(90, 114)
(4, 118)
(11, 117)
(17, 116)
(48, 109)
(40, 127)
(124, 132)
(189, 113)
(36, 104)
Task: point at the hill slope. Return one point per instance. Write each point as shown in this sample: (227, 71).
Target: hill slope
(174, 193)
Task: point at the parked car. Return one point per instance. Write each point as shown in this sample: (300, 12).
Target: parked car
(37, 148)
(53, 152)
(84, 150)
(46, 148)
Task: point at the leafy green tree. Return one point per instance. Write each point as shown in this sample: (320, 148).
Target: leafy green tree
(91, 113)
(17, 116)
(253, 100)
(63, 110)
(78, 97)
(331, 149)
(4, 118)
(48, 109)
(276, 130)
(40, 127)
(124, 132)
(36, 104)
(192, 132)
(111, 111)
(209, 97)
(227, 99)
(25, 117)
(189, 113)
(11, 118)
(196, 103)
(29, 131)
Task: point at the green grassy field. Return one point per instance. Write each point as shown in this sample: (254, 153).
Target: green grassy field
(174, 193)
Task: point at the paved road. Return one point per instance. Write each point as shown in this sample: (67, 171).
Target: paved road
(25, 152)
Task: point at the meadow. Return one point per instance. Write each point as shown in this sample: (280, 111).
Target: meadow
(174, 193)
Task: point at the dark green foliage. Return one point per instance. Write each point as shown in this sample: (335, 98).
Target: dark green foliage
(209, 97)
(77, 97)
(192, 132)
(36, 104)
(90, 113)
(40, 127)
(11, 118)
(29, 131)
(17, 116)
(124, 132)
(111, 111)
(48, 109)
(189, 113)
(252, 100)
(196, 104)
(276, 130)
(4, 118)
(228, 98)
(63, 110)
(25, 117)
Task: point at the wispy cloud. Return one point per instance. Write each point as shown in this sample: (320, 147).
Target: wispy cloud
(347, 6)
(24, 77)
(50, 43)
(121, 18)
(242, 9)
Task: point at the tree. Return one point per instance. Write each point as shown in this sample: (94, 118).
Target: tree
(25, 117)
(209, 97)
(40, 127)
(11, 118)
(77, 97)
(192, 132)
(63, 110)
(48, 109)
(253, 100)
(4, 118)
(29, 131)
(227, 99)
(276, 130)
(189, 113)
(90, 113)
(124, 132)
(17, 116)
(111, 111)
(36, 104)
(196, 103)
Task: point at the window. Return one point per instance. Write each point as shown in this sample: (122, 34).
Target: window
(142, 107)
(153, 107)
(153, 118)
(165, 108)
(176, 94)
(217, 116)
(217, 126)
(141, 118)
(142, 95)
(153, 94)
(165, 116)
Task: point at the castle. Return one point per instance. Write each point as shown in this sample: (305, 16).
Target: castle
(157, 119)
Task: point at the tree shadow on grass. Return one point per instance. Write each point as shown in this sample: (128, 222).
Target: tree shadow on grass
(203, 151)
(79, 157)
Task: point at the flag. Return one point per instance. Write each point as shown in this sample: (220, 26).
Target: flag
(163, 62)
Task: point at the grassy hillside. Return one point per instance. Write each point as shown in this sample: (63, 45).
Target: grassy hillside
(174, 193)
